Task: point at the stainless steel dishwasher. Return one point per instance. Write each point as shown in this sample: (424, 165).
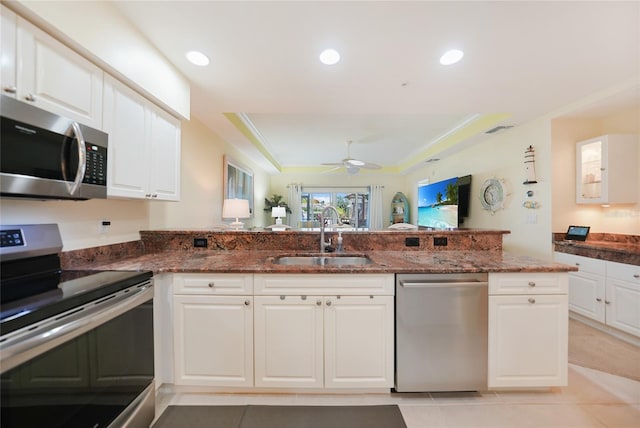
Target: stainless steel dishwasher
(441, 332)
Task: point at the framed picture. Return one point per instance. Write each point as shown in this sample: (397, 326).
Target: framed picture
(238, 181)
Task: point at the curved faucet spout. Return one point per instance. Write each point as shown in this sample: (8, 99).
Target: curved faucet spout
(324, 244)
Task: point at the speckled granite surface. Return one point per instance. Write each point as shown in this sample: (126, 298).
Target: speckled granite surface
(251, 252)
(604, 246)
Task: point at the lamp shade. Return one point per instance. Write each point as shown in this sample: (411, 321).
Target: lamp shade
(278, 212)
(236, 208)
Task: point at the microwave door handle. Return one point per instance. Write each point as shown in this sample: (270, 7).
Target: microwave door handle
(82, 159)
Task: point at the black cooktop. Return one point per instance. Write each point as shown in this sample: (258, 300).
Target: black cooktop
(58, 292)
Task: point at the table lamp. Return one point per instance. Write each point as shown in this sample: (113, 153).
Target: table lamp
(236, 208)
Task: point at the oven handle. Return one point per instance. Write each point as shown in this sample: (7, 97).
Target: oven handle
(22, 348)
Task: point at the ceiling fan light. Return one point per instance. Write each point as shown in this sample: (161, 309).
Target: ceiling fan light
(355, 162)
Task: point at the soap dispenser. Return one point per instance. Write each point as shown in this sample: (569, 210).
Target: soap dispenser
(339, 247)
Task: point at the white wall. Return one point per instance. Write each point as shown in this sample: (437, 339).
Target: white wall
(79, 220)
(566, 132)
(502, 156)
(202, 183)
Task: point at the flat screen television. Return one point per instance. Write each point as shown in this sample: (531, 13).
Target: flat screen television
(444, 204)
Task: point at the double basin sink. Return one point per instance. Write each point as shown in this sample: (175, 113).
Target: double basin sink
(323, 260)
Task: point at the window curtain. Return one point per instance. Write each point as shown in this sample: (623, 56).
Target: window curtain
(376, 213)
(295, 195)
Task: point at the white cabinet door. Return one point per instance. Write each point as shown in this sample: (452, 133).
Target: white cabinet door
(164, 156)
(358, 336)
(213, 340)
(528, 338)
(126, 120)
(8, 51)
(623, 305)
(288, 341)
(144, 146)
(55, 78)
(607, 170)
(587, 295)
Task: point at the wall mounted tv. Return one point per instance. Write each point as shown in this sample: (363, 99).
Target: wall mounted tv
(444, 204)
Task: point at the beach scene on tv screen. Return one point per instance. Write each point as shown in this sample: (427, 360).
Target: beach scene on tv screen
(438, 204)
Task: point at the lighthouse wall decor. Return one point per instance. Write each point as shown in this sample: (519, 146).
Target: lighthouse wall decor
(529, 166)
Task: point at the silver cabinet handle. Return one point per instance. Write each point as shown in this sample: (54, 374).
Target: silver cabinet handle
(155, 195)
(532, 300)
(607, 302)
(247, 302)
(212, 284)
(10, 89)
(577, 264)
(532, 284)
(30, 97)
(598, 299)
(148, 195)
(303, 297)
(319, 302)
(328, 302)
(636, 276)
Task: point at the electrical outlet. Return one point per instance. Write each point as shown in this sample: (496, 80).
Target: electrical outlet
(104, 226)
(200, 242)
(439, 241)
(412, 242)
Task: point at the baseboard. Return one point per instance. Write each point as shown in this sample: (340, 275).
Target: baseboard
(618, 334)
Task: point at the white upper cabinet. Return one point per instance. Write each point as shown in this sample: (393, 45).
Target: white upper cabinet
(53, 77)
(607, 170)
(8, 51)
(144, 146)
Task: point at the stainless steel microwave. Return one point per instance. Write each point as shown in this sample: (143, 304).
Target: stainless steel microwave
(46, 156)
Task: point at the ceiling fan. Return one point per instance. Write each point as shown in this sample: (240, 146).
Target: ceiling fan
(350, 164)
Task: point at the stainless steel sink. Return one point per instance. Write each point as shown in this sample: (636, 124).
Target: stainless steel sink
(315, 260)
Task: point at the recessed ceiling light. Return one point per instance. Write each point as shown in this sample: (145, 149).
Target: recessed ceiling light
(451, 57)
(329, 57)
(197, 58)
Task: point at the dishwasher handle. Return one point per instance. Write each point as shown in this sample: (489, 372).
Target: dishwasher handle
(441, 283)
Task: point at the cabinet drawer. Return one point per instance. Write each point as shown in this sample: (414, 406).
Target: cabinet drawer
(332, 284)
(528, 283)
(623, 272)
(220, 284)
(584, 264)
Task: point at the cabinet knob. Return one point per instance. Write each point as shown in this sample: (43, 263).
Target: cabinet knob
(212, 284)
(148, 195)
(10, 89)
(607, 302)
(247, 302)
(328, 302)
(283, 297)
(30, 97)
(303, 297)
(532, 284)
(155, 195)
(636, 276)
(318, 302)
(598, 299)
(532, 300)
(577, 264)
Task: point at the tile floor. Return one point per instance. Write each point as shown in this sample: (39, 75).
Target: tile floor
(592, 399)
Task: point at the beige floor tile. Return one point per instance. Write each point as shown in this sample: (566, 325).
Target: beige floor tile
(519, 416)
(422, 416)
(615, 415)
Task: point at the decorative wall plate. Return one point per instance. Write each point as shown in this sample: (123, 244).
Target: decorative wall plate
(492, 194)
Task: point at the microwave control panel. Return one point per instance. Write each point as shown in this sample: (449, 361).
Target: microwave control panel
(96, 172)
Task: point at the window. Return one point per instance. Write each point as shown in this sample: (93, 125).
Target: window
(352, 205)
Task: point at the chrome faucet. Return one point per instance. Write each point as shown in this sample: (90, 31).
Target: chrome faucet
(324, 244)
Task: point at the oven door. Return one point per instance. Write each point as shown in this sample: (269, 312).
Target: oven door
(93, 368)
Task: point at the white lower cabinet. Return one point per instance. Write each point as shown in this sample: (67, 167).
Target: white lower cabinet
(213, 332)
(324, 341)
(605, 291)
(528, 330)
(339, 334)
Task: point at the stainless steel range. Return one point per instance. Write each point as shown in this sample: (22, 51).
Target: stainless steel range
(76, 347)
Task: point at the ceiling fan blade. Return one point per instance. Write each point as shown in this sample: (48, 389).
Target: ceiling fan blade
(332, 163)
(368, 165)
(335, 168)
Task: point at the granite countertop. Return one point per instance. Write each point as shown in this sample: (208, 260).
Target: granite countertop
(621, 252)
(383, 262)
